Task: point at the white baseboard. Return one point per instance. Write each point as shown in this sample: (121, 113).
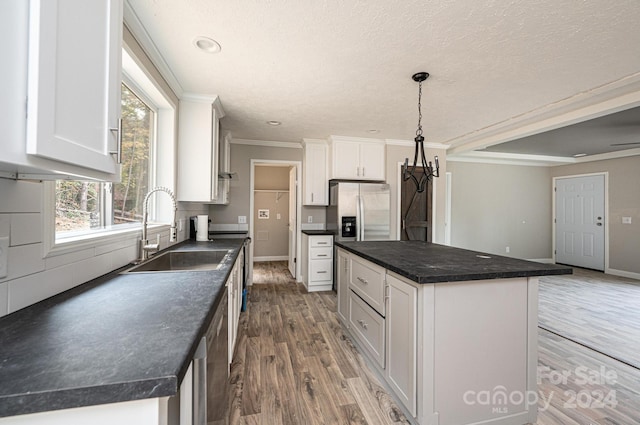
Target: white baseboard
(271, 258)
(542, 260)
(622, 273)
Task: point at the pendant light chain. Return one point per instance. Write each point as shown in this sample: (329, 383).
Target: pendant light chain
(419, 130)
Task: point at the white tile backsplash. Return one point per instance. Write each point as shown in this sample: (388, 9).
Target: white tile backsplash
(5, 225)
(36, 287)
(20, 196)
(26, 228)
(68, 258)
(24, 260)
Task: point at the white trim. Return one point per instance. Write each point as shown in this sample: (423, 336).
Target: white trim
(270, 143)
(609, 155)
(623, 273)
(333, 138)
(141, 35)
(447, 208)
(298, 165)
(270, 258)
(511, 159)
(606, 214)
(411, 143)
(615, 96)
(542, 260)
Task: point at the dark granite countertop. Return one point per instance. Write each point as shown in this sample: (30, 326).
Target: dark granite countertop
(318, 232)
(425, 262)
(116, 338)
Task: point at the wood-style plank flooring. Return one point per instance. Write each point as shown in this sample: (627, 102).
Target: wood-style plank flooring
(294, 365)
(597, 310)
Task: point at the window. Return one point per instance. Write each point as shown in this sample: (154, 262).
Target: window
(86, 207)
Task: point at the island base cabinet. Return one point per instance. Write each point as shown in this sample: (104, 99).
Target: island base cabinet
(368, 327)
(342, 285)
(401, 342)
(479, 352)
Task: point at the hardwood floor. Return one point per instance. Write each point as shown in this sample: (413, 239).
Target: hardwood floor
(597, 310)
(273, 272)
(294, 365)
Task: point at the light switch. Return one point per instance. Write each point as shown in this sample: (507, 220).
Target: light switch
(4, 256)
(242, 219)
(626, 220)
(278, 216)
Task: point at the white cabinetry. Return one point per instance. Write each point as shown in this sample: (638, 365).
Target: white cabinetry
(367, 280)
(66, 60)
(234, 286)
(315, 172)
(357, 159)
(198, 149)
(224, 166)
(317, 262)
(342, 285)
(401, 342)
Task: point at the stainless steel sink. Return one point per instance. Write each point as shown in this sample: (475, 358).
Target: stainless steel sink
(173, 261)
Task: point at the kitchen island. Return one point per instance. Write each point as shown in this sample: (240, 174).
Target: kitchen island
(119, 348)
(452, 332)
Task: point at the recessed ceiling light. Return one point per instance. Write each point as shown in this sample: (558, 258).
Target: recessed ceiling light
(373, 131)
(578, 155)
(274, 123)
(207, 44)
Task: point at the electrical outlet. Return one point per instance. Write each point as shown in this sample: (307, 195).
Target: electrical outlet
(278, 216)
(310, 219)
(4, 256)
(507, 249)
(242, 219)
(626, 220)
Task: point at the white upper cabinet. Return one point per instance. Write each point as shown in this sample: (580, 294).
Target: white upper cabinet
(224, 167)
(63, 56)
(198, 149)
(315, 172)
(357, 159)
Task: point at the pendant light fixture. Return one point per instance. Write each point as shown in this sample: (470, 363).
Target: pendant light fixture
(428, 170)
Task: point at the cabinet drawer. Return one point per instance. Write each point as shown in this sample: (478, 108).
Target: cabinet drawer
(321, 253)
(367, 280)
(320, 270)
(321, 240)
(368, 327)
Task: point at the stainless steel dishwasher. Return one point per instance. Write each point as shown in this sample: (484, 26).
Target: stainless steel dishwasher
(211, 368)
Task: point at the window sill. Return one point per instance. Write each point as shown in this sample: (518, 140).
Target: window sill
(99, 239)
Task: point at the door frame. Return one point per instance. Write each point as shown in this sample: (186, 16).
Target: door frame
(606, 213)
(272, 162)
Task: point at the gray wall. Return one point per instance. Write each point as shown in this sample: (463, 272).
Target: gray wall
(624, 200)
(495, 206)
(271, 236)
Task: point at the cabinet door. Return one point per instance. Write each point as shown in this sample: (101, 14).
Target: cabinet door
(315, 174)
(74, 81)
(342, 286)
(372, 161)
(346, 160)
(401, 341)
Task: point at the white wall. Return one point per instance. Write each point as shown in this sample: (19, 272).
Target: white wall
(498, 206)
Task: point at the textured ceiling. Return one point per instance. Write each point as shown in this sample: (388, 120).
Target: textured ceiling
(325, 67)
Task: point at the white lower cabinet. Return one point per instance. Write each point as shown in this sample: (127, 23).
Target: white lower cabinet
(401, 340)
(368, 326)
(234, 286)
(342, 285)
(317, 262)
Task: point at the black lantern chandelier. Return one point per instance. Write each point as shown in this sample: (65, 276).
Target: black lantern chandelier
(428, 171)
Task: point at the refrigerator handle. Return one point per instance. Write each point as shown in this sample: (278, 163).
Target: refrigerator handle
(358, 217)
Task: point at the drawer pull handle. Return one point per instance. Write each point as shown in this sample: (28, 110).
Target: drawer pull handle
(363, 324)
(364, 281)
(322, 255)
(322, 271)
(322, 243)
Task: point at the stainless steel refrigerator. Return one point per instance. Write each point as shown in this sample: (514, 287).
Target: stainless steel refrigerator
(359, 211)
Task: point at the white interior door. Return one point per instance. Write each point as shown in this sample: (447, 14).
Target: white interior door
(293, 229)
(580, 221)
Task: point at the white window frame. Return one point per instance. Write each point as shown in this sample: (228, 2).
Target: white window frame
(163, 153)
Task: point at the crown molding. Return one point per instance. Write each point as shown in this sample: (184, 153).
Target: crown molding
(141, 35)
(270, 143)
(609, 155)
(511, 159)
(411, 143)
(615, 96)
(334, 138)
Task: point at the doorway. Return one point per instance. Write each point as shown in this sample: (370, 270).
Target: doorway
(275, 213)
(580, 221)
(416, 210)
